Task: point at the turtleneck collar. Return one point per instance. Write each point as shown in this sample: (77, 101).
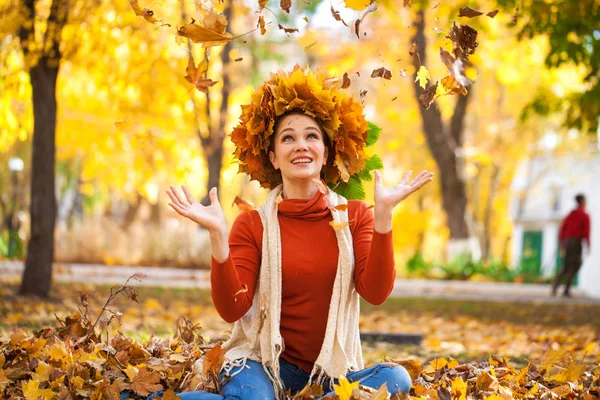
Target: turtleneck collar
(311, 209)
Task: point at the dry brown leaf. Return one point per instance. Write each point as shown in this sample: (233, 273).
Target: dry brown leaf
(213, 360)
(285, 5)
(492, 14)
(321, 186)
(262, 4)
(170, 395)
(469, 12)
(243, 205)
(381, 73)
(345, 81)
(288, 30)
(201, 34)
(338, 226)
(146, 382)
(427, 96)
(261, 24)
(356, 26)
(195, 75)
(337, 16)
(146, 12)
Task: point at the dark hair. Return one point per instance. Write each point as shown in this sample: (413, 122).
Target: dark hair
(580, 198)
(297, 111)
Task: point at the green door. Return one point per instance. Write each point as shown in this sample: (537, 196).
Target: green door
(531, 257)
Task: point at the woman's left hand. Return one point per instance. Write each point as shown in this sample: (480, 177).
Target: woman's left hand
(388, 198)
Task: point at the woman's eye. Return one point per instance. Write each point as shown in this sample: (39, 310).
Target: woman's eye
(285, 139)
(313, 135)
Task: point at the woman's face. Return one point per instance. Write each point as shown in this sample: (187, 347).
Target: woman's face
(300, 151)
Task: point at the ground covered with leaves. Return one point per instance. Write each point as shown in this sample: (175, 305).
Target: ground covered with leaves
(87, 343)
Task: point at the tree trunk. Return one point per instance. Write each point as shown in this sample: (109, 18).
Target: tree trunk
(445, 144)
(37, 276)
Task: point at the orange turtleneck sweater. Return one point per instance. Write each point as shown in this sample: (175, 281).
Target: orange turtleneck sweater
(309, 262)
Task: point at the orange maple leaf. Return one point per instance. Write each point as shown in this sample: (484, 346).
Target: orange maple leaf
(194, 75)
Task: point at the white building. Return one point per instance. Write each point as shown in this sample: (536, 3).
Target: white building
(544, 191)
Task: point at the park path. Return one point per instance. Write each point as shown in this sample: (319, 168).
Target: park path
(189, 278)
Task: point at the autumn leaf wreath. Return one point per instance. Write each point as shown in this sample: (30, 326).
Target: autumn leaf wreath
(323, 99)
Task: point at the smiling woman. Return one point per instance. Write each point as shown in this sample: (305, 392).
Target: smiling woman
(299, 152)
(290, 273)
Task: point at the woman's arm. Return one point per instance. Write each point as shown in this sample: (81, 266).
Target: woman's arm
(234, 262)
(374, 269)
(233, 279)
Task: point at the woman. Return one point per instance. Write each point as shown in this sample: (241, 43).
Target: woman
(289, 273)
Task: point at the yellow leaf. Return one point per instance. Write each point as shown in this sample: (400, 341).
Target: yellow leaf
(32, 391)
(569, 374)
(42, 372)
(345, 388)
(357, 4)
(77, 382)
(338, 226)
(438, 363)
(459, 389)
(534, 389)
(453, 364)
(423, 76)
(589, 348)
(131, 372)
(201, 34)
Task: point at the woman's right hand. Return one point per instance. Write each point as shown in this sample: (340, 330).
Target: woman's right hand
(210, 218)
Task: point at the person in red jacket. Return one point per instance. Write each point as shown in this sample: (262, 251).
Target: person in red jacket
(317, 250)
(574, 230)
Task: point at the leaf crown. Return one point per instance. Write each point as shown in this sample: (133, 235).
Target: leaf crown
(339, 115)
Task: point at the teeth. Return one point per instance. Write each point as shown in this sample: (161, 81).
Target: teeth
(302, 160)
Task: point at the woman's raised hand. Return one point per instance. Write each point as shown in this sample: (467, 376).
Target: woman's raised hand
(210, 218)
(388, 198)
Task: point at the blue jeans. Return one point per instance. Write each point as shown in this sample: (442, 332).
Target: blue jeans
(253, 383)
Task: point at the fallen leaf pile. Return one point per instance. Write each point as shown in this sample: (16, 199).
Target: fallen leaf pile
(461, 357)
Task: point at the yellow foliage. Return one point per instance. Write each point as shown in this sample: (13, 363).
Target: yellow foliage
(344, 389)
(357, 4)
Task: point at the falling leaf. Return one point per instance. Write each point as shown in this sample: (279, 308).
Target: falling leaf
(238, 59)
(464, 41)
(358, 5)
(469, 12)
(423, 76)
(341, 207)
(413, 48)
(243, 205)
(146, 13)
(359, 21)
(428, 96)
(345, 81)
(321, 186)
(285, 5)
(262, 4)
(194, 75)
(123, 125)
(394, 98)
(212, 20)
(261, 24)
(407, 3)
(338, 226)
(363, 95)
(381, 73)
(310, 45)
(337, 16)
(288, 30)
(515, 16)
(201, 34)
(344, 389)
(492, 14)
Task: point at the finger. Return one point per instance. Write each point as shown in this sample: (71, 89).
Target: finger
(420, 184)
(188, 194)
(378, 178)
(178, 208)
(214, 199)
(178, 199)
(418, 177)
(173, 198)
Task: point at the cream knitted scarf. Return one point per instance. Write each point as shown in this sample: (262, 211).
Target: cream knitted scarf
(256, 335)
